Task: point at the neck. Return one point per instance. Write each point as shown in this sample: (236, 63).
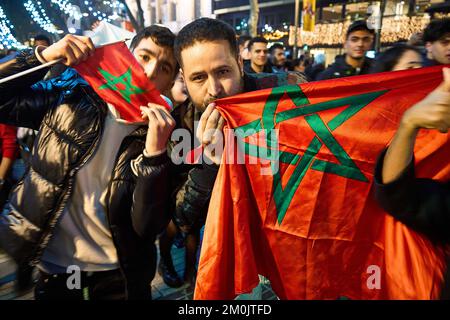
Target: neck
(258, 69)
(355, 63)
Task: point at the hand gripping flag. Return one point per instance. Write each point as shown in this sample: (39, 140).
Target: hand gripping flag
(300, 210)
(119, 79)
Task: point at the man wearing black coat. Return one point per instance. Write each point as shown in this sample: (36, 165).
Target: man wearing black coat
(95, 195)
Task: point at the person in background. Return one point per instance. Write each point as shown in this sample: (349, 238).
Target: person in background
(314, 69)
(358, 40)
(299, 64)
(243, 47)
(8, 152)
(278, 58)
(42, 40)
(178, 93)
(436, 38)
(258, 56)
(399, 57)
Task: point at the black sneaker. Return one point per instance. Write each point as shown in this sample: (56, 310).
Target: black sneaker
(170, 277)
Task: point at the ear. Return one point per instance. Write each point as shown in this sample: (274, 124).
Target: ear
(428, 46)
(240, 62)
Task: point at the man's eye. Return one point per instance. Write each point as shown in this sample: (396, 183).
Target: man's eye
(223, 72)
(198, 78)
(145, 58)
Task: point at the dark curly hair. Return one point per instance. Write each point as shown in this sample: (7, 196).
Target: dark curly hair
(436, 30)
(205, 30)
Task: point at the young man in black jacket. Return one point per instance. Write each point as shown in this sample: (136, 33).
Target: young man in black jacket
(422, 204)
(436, 37)
(95, 196)
(358, 40)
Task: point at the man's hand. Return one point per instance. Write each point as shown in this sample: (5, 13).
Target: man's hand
(160, 126)
(71, 49)
(433, 112)
(209, 133)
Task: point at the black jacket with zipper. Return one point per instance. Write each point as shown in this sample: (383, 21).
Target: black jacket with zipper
(70, 118)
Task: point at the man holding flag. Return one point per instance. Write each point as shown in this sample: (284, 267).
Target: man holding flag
(209, 58)
(94, 198)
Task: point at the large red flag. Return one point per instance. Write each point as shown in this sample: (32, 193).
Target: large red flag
(119, 79)
(304, 215)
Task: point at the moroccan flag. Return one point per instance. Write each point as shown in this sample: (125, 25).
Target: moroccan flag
(119, 79)
(300, 210)
(309, 15)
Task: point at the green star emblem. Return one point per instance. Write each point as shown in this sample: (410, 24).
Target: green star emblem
(124, 81)
(323, 136)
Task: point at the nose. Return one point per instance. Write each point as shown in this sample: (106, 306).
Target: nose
(214, 87)
(150, 70)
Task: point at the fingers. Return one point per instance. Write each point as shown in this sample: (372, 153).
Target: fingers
(85, 45)
(77, 55)
(160, 114)
(446, 83)
(149, 114)
(204, 120)
(211, 127)
(69, 56)
(73, 49)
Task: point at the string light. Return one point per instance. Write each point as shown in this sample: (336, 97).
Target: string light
(39, 16)
(68, 8)
(115, 5)
(7, 40)
(394, 29)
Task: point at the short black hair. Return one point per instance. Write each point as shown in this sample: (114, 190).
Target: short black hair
(162, 36)
(389, 58)
(358, 25)
(256, 40)
(436, 30)
(243, 39)
(276, 46)
(205, 30)
(43, 37)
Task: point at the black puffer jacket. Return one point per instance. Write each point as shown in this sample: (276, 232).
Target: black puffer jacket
(70, 118)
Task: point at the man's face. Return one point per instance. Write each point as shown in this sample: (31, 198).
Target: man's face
(258, 53)
(210, 71)
(358, 43)
(158, 62)
(279, 58)
(439, 50)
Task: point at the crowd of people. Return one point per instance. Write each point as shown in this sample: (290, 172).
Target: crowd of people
(97, 193)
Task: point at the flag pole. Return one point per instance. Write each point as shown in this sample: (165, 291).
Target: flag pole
(48, 64)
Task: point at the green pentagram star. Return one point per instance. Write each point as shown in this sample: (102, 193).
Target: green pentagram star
(323, 136)
(124, 79)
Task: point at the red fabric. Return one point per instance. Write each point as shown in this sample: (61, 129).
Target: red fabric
(333, 235)
(8, 144)
(116, 59)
